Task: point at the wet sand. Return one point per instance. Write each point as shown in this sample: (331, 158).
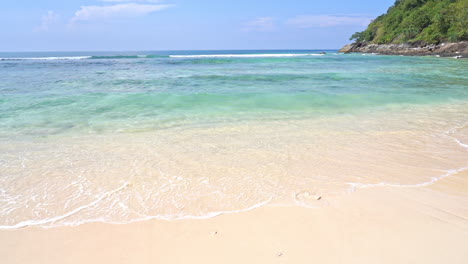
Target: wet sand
(372, 225)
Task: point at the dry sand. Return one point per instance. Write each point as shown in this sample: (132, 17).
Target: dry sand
(374, 225)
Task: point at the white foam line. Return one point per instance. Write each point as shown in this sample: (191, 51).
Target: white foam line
(424, 184)
(60, 217)
(460, 143)
(188, 217)
(242, 55)
(174, 218)
(50, 58)
(451, 131)
(159, 217)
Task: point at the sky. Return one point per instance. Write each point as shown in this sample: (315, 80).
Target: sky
(124, 25)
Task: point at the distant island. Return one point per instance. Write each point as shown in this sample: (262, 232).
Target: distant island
(417, 27)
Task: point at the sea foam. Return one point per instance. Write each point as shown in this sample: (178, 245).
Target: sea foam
(48, 58)
(245, 55)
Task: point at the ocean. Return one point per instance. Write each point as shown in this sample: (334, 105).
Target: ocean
(120, 137)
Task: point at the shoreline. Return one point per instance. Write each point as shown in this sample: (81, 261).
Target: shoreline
(427, 224)
(305, 194)
(457, 50)
(354, 187)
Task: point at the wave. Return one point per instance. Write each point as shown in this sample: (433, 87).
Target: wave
(86, 57)
(50, 222)
(60, 217)
(455, 130)
(48, 58)
(115, 57)
(128, 57)
(245, 55)
(433, 180)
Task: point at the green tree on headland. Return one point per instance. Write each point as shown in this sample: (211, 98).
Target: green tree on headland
(431, 21)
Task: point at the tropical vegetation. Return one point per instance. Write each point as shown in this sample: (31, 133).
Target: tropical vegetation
(430, 21)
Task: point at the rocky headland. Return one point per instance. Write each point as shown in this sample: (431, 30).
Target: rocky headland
(457, 50)
(416, 28)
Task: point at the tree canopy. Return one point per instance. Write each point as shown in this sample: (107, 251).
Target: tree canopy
(431, 21)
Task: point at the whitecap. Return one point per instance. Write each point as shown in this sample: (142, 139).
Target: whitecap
(245, 55)
(48, 58)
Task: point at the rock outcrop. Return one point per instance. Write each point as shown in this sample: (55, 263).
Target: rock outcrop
(459, 49)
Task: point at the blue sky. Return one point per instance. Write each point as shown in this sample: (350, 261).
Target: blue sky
(101, 25)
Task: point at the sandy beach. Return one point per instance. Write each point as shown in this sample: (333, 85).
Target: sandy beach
(373, 225)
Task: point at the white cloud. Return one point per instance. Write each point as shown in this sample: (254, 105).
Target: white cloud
(310, 21)
(260, 24)
(47, 21)
(91, 13)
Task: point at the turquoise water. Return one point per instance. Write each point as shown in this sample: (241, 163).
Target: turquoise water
(54, 93)
(129, 136)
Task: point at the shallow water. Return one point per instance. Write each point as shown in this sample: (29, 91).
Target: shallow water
(121, 137)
